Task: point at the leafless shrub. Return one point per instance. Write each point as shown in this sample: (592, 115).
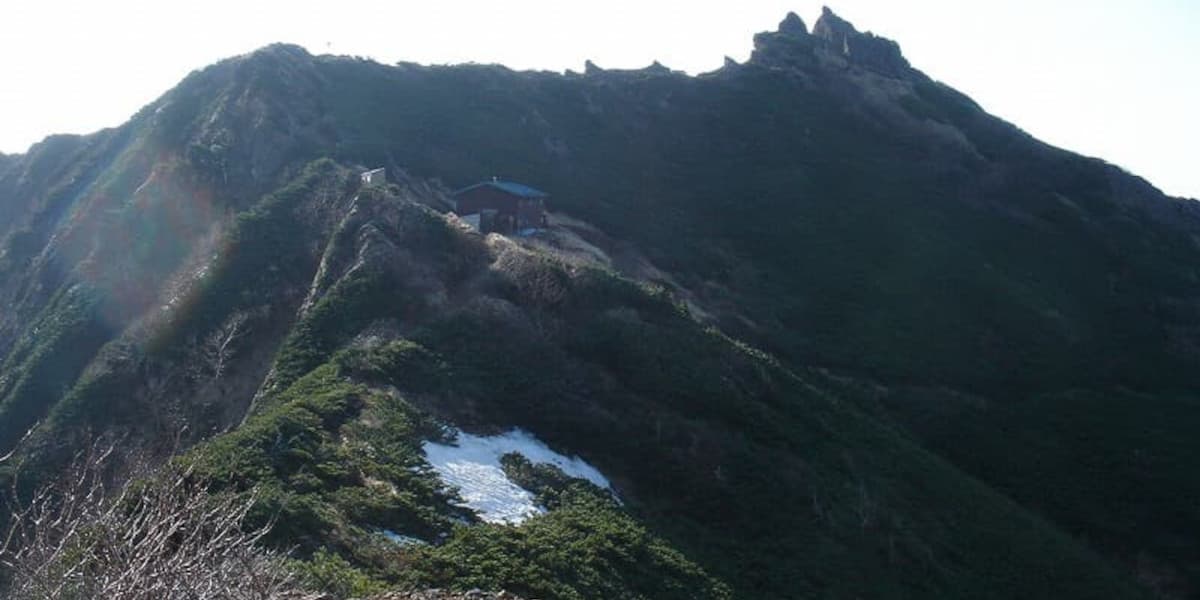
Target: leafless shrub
(219, 346)
(162, 537)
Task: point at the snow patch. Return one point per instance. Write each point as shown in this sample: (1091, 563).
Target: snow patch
(472, 464)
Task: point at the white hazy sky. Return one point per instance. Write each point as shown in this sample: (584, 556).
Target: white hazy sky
(1118, 79)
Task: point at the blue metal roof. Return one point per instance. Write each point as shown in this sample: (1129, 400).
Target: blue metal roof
(511, 187)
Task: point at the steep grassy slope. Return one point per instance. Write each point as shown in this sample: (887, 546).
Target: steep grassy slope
(107, 237)
(931, 283)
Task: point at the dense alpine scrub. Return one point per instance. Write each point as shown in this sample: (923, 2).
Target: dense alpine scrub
(701, 435)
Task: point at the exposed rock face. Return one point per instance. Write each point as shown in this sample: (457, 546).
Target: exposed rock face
(591, 69)
(793, 46)
(864, 49)
(793, 25)
(832, 27)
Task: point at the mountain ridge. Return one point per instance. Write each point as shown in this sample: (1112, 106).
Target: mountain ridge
(882, 263)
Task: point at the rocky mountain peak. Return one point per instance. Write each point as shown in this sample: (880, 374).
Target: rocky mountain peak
(788, 46)
(864, 49)
(830, 26)
(793, 46)
(793, 25)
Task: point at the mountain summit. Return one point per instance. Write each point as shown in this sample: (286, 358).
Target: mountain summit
(863, 48)
(793, 25)
(831, 36)
(819, 324)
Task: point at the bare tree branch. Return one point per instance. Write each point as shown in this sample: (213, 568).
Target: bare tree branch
(164, 537)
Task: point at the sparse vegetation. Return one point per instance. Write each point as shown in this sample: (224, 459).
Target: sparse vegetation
(163, 537)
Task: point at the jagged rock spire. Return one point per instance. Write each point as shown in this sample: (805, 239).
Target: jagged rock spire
(793, 46)
(832, 27)
(864, 49)
(792, 24)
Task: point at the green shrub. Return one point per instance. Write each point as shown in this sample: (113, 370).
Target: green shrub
(332, 574)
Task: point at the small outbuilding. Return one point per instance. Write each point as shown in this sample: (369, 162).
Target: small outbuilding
(502, 207)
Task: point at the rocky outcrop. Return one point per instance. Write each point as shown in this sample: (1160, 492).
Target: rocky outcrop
(591, 69)
(657, 68)
(789, 46)
(793, 46)
(864, 49)
(793, 25)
